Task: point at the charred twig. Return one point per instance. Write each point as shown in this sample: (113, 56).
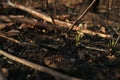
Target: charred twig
(58, 22)
(38, 67)
(51, 15)
(82, 15)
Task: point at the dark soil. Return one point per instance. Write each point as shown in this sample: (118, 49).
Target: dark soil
(58, 51)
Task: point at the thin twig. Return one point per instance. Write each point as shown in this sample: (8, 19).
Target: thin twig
(3, 35)
(93, 48)
(38, 67)
(51, 15)
(82, 15)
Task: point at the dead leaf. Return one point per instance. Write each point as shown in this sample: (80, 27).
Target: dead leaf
(2, 26)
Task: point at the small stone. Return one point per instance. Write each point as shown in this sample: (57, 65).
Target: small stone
(72, 60)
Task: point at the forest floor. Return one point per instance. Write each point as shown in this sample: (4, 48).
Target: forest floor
(89, 57)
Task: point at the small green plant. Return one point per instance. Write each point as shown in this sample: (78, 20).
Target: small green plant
(78, 37)
(113, 44)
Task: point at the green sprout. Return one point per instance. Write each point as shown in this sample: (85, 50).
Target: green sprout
(113, 44)
(78, 37)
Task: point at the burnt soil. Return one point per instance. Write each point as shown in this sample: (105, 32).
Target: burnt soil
(58, 51)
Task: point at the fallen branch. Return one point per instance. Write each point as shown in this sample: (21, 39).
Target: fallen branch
(57, 22)
(38, 67)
